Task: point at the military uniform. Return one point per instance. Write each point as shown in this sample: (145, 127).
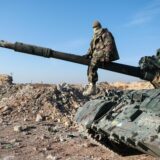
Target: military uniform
(102, 49)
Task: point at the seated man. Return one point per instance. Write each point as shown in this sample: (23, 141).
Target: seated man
(102, 49)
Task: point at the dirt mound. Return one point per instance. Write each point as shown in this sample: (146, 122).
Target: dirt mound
(58, 102)
(51, 102)
(5, 79)
(132, 85)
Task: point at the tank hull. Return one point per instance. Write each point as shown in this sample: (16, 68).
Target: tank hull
(127, 118)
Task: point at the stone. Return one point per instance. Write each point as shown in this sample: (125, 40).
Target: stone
(62, 139)
(51, 157)
(25, 119)
(13, 141)
(17, 128)
(1, 120)
(43, 137)
(26, 133)
(67, 123)
(53, 129)
(35, 148)
(10, 157)
(6, 108)
(39, 118)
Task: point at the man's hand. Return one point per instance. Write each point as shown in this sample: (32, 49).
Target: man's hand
(107, 59)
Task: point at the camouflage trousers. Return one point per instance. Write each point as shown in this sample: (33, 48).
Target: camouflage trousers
(97, 58)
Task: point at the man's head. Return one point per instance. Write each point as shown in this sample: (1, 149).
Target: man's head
(96, 26)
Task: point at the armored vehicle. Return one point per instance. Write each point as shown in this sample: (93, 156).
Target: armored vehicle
(121, 120)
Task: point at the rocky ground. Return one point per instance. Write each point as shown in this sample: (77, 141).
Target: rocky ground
(37, 122)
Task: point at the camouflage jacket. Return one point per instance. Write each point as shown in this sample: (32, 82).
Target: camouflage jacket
(103, 41)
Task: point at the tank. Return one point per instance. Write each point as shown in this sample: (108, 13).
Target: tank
(125, 121)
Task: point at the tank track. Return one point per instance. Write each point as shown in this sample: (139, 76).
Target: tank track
(98, 139)
(117, 149)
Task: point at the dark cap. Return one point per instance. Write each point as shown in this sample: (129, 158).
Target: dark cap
(96, 24)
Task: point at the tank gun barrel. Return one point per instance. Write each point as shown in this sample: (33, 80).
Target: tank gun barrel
(49, 53)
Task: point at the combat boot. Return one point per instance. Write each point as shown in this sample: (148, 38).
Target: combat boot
(90, 89)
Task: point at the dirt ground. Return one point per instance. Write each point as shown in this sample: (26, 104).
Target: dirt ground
(37, 123)
(53, 141)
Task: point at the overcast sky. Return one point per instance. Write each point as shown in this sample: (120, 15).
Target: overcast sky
(66, 25)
